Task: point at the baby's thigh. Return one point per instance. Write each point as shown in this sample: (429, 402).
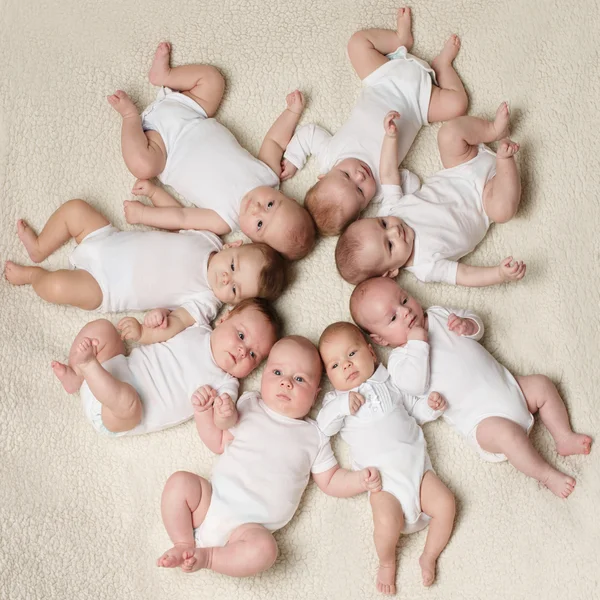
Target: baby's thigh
(436, 498)
(110, 343)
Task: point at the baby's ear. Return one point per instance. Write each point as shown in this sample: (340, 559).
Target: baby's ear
(235, 244)
(378, 340)
(223, 317)
(391, 274)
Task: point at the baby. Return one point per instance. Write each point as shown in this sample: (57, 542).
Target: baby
(392, 79)
(438, 349)
(140, 270)
(381, 426)
(428, 231)
(150, 389)
(177, 140)
(269, 449)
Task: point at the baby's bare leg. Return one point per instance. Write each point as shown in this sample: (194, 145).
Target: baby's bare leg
(502, 194)
(502, 436)
(202, 83)
(184, 503)
(459, 138)
(437, 501)
(367, 49)
(450, 99)
(541, 395)
(109, 345)
(388, 521)
(251, 549)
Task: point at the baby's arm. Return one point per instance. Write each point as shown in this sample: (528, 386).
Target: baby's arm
(209, 419)
(425, 408)
(409, 365)
(388, 162)
(159, 325)
(281, 132)
(466, 324)
(308, 139)
(343, 483)
(334, 412)
(507, 271)
(158, 195)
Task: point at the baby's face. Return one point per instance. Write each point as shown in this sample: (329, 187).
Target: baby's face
(348, 359)
(290, 381)
(234, 272)
(388, 312)
(355, 179)
(388, 244)
(240, 342)
(266, 215)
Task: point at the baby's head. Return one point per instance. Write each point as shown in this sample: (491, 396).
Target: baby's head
(243, 337)
(348, 358)
(266, 215)
(373, 247)
(241, 271)
(290, 381)
(339, 196)
(386, 311)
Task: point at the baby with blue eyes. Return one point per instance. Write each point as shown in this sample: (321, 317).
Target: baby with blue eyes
(381, 425)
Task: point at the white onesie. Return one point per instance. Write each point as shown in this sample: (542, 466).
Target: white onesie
(141, 270)
(446, 215)
(165, 375)
(205, 163)
(263, 471)
(385, 433)
(402, 84)
(475, 385)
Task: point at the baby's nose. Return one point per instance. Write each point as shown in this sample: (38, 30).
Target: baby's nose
(242, 352)
(286, 383)
(347, 364)
(224, 278)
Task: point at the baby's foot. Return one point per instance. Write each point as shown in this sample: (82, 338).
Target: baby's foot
(404, 27)
(84, 354)
(427, 564)
(559, 484)
(123, 104)
(507, 148)
(448, 53)
(174, 556)
(295, 102)
(18, 274)
(195, 559)
(29, 239)
(574, 443)
(502, 121)
(160, 69)
(69, 379)
(386, 579)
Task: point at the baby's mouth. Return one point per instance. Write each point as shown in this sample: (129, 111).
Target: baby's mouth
(233, 358)
(283, 397)
(412, 322)
(352, 376)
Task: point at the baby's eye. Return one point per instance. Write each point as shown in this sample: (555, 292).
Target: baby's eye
(404, 301)
(232, 266)
(361, 192)
(352, 353)
(299, 379)
(393, 318)
(241, 335)
(277, 372)
(384, 223)
(259, 224)
(334, 366)
(270, 204)
(390, 246)
(234, 289)
(252, 354)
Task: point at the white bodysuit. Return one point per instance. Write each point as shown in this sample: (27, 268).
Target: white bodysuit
(205, 163)
(402, 84)
(446, 215)
(475, 385)
(385, 433)
(165, 375)
(263, 471)
(141, 270)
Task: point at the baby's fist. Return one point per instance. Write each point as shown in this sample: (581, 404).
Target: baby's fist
(143, 187)
(372, 479)
(156, 318)
(512, 270)
(133, 211)
(288, 170)
(224, 406)
(203, 398)
(130, 329)
(436, 401)
(355, 401)
(389, 124)
(461, 326)
(418, 333)
(295, 102)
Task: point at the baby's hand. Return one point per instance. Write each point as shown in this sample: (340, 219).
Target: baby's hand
(143, 187)
(355, 401)
(203, 398)
(288, 170)
(418, 333)
(224, 406)
(512, 271)
(391, 129)
(437, 401)
(130, 328)
(295, 102)
(462, 326)
(156, 318)
(133, 211)
(372, 479)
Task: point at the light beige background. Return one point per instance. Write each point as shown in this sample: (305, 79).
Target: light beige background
(80, 514)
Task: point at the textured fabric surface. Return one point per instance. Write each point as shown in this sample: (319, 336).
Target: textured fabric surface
(79, 513)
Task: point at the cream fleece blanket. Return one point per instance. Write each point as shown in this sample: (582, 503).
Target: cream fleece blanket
(80, 514)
